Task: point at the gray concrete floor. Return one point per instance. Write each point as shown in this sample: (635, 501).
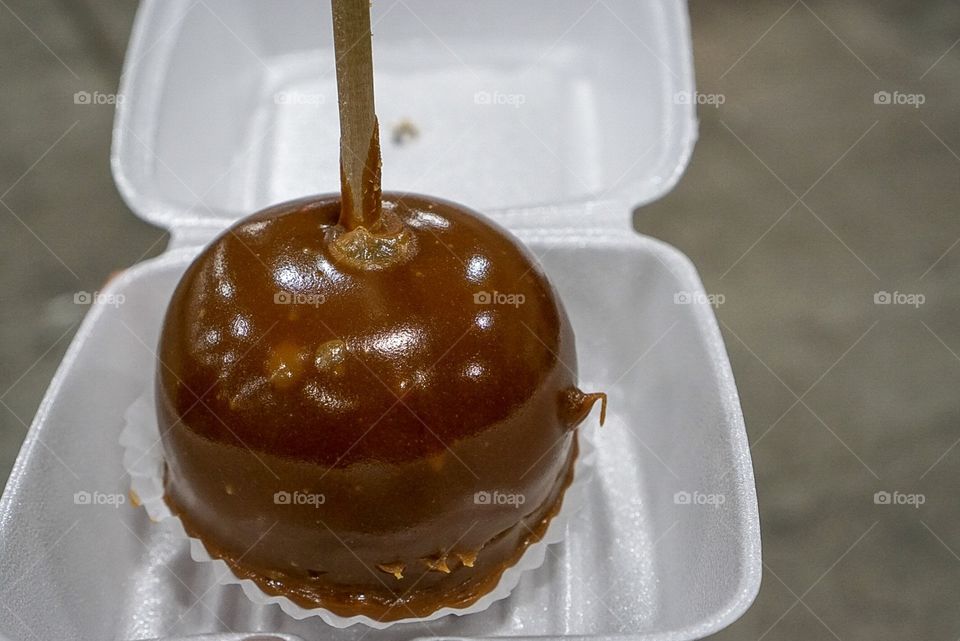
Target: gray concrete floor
(804, 199)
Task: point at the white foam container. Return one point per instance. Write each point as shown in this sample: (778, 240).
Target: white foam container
(555, 117)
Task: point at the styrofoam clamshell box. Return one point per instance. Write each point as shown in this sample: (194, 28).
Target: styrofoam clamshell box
(556, 118)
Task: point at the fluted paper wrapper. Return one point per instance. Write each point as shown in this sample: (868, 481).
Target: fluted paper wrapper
(143, 460)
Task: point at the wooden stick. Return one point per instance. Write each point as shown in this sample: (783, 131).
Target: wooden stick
(359, 133)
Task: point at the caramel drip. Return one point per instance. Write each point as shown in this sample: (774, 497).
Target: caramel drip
(438, 564)
(576, 405)
(396, 569)
(468, 558)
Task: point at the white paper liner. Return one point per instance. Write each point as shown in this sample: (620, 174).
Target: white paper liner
(143, 460)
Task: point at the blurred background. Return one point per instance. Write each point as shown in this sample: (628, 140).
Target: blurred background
(823, 214)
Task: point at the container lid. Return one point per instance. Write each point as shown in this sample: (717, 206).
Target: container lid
(230, 105)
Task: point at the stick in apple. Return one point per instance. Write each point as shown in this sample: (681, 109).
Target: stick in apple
(359, 131)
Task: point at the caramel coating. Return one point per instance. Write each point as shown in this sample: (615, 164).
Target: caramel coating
(376, 427)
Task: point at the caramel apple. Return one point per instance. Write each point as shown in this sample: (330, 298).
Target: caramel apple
(379, 441)
(368, 401)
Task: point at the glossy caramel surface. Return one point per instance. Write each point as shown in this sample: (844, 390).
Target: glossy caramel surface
(308, 359)
(396, 383)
